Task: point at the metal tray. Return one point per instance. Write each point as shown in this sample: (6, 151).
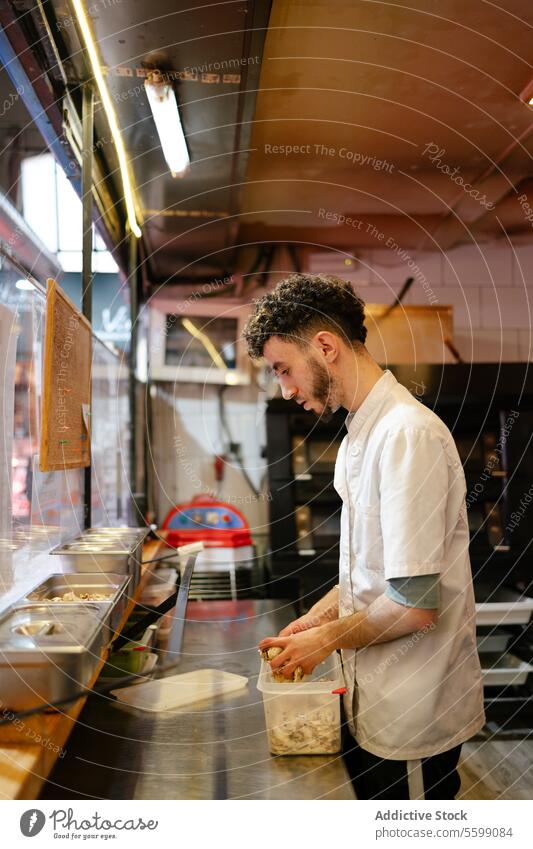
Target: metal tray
(121, 539)
(105, 534)
(499, 670)
(114, 586)
(121, 557)
(48, 651)
(112, 529)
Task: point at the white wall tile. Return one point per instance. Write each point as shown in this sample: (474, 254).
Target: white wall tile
(488, 346)
(525, 345)
(186, 436)
(380, 294)
(360, 273)
(509, 308)
(333, 262)
(431, 266)
(523, 265)
(465, 302)
(479, 265)
(389, 268)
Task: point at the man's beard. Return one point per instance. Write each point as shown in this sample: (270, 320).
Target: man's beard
(322, 389)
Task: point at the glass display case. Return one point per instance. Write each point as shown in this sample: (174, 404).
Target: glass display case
(39, 510)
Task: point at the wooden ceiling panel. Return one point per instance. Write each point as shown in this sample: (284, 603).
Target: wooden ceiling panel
(371, 108)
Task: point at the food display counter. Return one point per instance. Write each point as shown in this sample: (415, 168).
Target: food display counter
(29, 747)
(215, 749)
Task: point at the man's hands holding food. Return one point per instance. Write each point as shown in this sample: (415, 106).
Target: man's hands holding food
(304, 642)
(300, 648)
(382, 621)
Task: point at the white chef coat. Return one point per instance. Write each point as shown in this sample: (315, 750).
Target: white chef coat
(404, 514)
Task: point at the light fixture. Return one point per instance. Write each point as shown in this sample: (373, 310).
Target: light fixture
(24, 285)
(162, 100)
(527, 93)
(90, 46)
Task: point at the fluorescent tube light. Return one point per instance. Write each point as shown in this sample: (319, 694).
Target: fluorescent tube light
(526, 95)
(162, 100)
(92, 52)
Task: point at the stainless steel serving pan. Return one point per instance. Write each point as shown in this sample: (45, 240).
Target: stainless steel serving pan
(113, 533)
(48, 651)
(119, 556)
(108, 584)
(115, 529)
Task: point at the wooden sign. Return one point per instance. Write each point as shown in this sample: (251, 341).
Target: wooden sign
(66, 387)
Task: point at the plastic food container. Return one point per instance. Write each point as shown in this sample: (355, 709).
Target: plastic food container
(303, 717)
(499, 671)
(502, 606)
(492, 639)
(128, 663)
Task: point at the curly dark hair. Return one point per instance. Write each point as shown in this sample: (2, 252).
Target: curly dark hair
(300, 306)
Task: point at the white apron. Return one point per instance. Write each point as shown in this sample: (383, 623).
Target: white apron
(422, 694)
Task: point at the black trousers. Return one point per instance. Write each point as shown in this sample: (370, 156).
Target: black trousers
(378, 778)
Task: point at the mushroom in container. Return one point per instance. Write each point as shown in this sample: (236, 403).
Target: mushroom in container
(277, 674)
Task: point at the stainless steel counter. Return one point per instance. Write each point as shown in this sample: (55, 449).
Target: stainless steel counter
(214, 750)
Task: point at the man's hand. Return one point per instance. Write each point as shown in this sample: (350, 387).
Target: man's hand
(301, 624)
(307, 649)
(325, 610)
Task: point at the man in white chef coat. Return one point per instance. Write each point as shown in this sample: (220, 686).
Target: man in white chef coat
(403, 613)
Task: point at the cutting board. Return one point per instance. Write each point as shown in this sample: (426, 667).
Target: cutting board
(180, 690)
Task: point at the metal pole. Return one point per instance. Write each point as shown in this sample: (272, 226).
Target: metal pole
(87, 238)
(134, 315)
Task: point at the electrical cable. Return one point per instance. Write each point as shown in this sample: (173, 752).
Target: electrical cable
(233, 448)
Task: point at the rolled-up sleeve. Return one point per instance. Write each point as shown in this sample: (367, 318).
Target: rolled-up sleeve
(414, 492)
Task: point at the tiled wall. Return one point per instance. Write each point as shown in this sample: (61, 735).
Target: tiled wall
(186, 436)
(490, 287)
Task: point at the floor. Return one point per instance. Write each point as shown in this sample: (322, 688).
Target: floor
(497, 769)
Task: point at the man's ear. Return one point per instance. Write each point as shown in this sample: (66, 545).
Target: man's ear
(327, 344)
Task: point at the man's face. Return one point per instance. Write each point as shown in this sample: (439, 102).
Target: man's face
(302, 376)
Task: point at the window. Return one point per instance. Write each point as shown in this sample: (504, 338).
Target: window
(215, 337)
(53, 210)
